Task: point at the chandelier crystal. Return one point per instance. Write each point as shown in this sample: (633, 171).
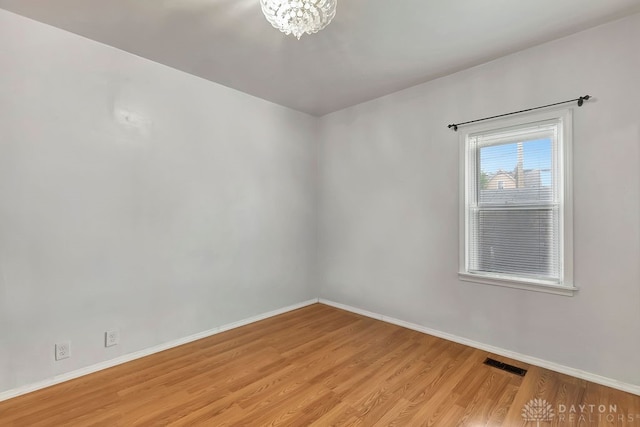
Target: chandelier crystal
(299, 16)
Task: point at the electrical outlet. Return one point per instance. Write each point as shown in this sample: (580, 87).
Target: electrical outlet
(111, 338)
(63, 350)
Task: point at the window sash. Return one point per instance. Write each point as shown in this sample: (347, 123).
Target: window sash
(529, 132)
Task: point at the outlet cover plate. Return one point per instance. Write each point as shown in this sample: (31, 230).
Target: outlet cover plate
(111, 338)
(63, 350)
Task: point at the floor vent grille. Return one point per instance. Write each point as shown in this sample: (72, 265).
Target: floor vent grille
(505, 367)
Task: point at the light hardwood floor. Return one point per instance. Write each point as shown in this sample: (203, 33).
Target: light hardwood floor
(316, 366)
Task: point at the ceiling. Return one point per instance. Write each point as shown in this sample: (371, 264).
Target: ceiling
(372, 48)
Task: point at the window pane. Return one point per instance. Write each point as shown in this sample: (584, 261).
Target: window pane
(516, 172)
(515, 241)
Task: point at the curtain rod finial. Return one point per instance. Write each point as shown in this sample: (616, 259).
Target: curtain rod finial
(454, 127)
(582, 99)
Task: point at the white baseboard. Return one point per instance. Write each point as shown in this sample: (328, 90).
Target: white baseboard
(598, 379)
(630, 388)
(146, 352)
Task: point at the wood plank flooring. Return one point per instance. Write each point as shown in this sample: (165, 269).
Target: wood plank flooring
(318, 366)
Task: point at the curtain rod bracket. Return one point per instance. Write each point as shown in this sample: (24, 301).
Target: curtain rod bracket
(582, 99)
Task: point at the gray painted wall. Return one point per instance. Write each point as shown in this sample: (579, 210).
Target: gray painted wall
(389, 204)
(200, 214)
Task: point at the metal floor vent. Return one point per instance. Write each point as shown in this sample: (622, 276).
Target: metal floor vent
(505, 367)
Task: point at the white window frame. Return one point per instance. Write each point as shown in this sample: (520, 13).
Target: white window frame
(564, 145)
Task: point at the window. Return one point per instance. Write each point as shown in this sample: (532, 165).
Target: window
(516, 207)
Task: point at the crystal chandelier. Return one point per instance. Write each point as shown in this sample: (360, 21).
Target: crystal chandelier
(299, 16)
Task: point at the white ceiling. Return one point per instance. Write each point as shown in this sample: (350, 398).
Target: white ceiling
(372, 48)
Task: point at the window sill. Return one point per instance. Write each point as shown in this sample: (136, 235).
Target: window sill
(519, 284)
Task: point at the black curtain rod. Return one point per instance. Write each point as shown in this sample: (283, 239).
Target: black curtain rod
(580, 101)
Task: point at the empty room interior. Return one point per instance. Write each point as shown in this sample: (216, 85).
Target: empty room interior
(319, 212)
